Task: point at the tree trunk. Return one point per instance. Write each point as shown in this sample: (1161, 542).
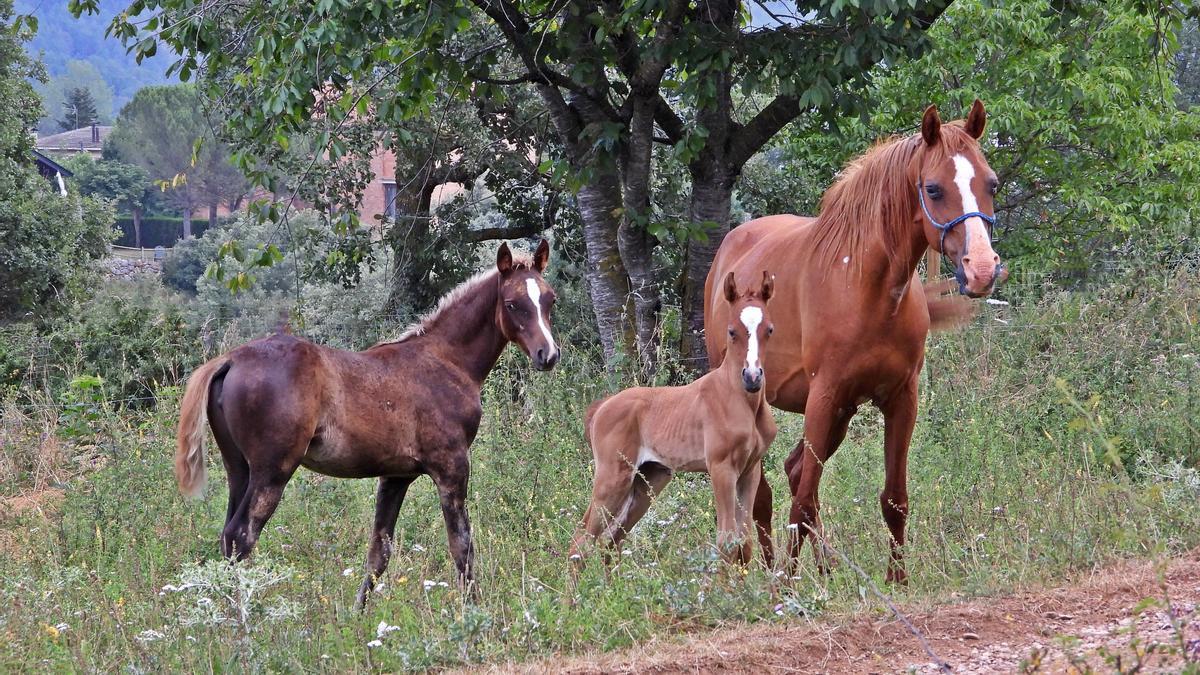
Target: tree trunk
(634, 239)
(187, 222)
(608, 281)
(137, 227)
(212, 215)
(712, 194)
(409, 237)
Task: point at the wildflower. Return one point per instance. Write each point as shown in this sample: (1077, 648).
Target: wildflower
(51, 631)
(385, 628)
(779, 609)
(402, 580)
(61, 626)
(374, 643)
(348, 571)
(626, 552)
(430, 583)
(417, 548)
(149, 635)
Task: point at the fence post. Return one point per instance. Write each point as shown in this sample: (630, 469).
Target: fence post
(933, 265)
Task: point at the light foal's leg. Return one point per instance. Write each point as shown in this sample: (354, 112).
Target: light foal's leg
(388, 499)
(648, 482)
(747, 486)
(724, 475)
(899, 417)
(611, 494)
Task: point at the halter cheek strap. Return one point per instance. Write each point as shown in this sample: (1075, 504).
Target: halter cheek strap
(949, 225)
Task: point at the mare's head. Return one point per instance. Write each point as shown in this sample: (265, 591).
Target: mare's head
(523, 305)
(955, 187)
(749, 328)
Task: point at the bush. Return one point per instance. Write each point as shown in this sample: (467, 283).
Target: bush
(157, 230)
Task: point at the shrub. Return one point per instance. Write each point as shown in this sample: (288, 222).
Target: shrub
(157, 230)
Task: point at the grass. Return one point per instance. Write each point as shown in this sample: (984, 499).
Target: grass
(1059, 440)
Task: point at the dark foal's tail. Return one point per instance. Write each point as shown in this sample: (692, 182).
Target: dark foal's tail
(193, 415)
(947, 311)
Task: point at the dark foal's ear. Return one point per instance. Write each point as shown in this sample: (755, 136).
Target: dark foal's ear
(504, 259)
(976, 120)
(931, 126)
(541, 256)
(731, 292)
(768, 286)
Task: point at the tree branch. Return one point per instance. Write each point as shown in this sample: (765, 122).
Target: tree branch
(506, 232)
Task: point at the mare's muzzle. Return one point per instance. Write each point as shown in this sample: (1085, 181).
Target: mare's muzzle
(752, 379)
(999, 274)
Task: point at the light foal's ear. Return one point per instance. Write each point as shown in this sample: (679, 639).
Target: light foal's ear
(731, 293)
(541, 256)
(768, 286)
(931, 126)
(976, 120)
(504, 260)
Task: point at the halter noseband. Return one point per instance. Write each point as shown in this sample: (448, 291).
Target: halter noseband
(947, 226)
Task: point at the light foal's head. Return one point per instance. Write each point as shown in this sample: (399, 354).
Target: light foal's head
(523, 305)
(749, 328)
(955, 188)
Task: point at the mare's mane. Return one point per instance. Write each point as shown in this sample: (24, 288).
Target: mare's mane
(873, 199)
(455, 297)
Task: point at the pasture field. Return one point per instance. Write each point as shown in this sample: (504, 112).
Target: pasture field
(1056, 434)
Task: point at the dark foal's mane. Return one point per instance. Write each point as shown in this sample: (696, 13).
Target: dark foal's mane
(873, 199)
(466, 292)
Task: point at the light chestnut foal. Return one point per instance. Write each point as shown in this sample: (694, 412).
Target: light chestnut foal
(719, 424)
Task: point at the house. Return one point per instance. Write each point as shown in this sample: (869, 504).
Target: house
(52, 171)
(89, 139)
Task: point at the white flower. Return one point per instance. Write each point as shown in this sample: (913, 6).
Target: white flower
(417, 548)
(385, 628)
(149, 635)
(61, 626)
(430, 583)
(348, 571)
(626, 552)
(374, 643)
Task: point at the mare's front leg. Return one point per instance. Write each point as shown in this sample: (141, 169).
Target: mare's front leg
(899, 418)
(388, 500)
(451, 478)
(825, 426)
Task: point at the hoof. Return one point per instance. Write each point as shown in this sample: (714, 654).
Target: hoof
(897, 577)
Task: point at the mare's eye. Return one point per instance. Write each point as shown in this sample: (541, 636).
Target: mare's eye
(934, 191)
(993, 187)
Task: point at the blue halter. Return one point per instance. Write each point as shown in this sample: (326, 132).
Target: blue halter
(947, 226)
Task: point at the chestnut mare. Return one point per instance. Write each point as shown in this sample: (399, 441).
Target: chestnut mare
(397, 410)
(852, 318)
(719, 424)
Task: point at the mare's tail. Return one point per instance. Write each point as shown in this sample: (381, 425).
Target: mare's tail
(189, 448)
(947, 311)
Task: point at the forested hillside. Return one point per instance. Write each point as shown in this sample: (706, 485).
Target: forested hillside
(76, 53)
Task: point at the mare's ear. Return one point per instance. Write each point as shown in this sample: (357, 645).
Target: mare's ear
(731, 292)
(504, 259)
(931, 126)
(768, 286)
(976, 120)
(541, 256)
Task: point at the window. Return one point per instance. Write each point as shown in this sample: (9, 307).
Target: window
(389, 201)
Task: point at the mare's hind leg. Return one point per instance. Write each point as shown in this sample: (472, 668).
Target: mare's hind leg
(648, 482)
(899, 418)
(388, 500)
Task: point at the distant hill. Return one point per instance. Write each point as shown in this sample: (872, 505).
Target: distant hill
(61, 39)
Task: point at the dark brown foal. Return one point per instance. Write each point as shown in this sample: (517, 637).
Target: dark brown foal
(398, 410)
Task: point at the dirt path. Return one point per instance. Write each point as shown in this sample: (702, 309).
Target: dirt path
(1087, 624)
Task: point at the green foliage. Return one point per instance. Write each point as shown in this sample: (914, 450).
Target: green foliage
(1092, 153)
(124, 184)
(166, 231)
(164, 131)
(74, 79)
(78, 110)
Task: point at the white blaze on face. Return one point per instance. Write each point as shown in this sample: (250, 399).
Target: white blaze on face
(978, 242)
(535, 294)
(751, 317)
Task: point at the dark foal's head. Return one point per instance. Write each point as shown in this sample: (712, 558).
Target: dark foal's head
(749, 328)
(524, 303)
(955, 187)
